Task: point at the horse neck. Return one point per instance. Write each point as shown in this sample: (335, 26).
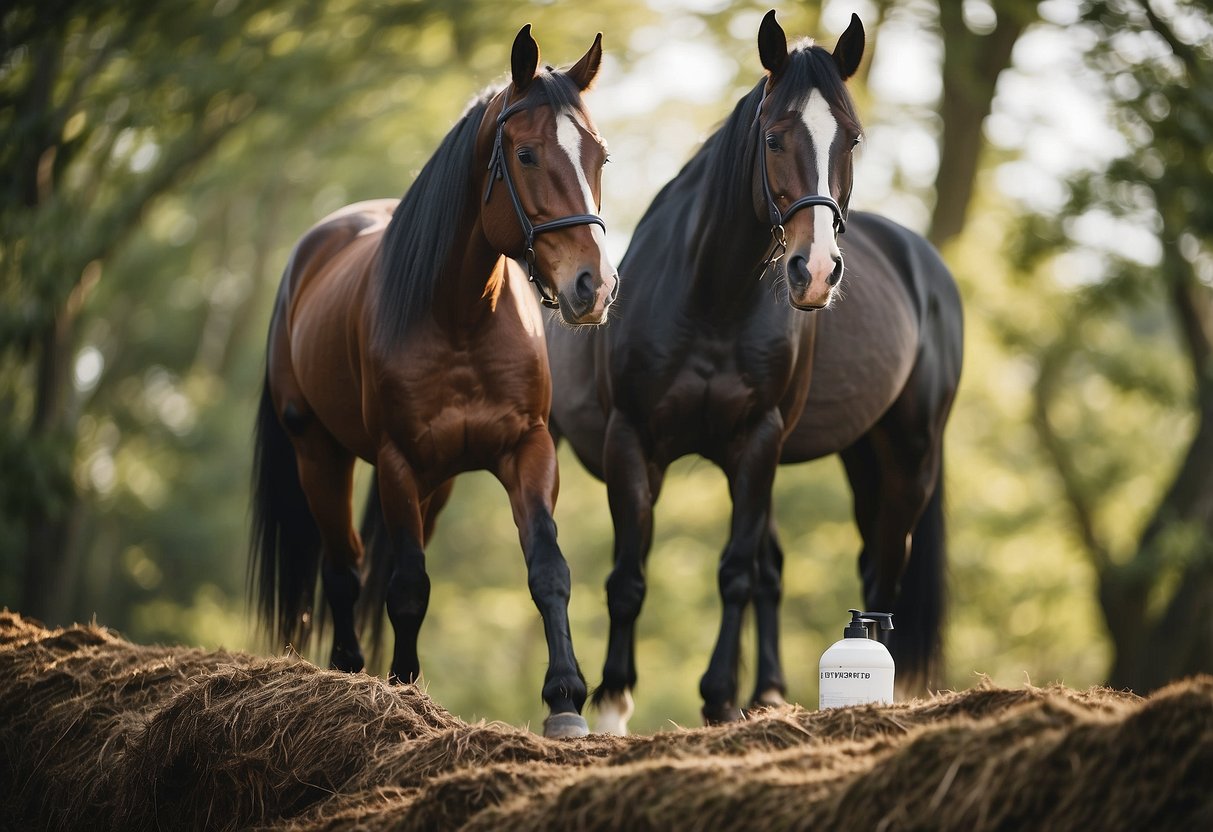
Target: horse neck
(460, 303)
(729, 247)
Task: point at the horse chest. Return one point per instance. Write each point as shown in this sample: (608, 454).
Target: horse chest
(711, 390)
(464, 410)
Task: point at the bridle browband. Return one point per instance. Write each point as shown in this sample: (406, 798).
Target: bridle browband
(498, 169)
(779, 237)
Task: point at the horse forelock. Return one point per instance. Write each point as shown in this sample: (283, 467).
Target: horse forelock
(809, 68)
(558, 91)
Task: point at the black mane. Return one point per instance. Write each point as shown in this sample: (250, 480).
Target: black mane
(419, 239)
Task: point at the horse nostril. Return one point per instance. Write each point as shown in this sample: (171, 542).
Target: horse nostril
(798, 269)
(585, 287)
(835, 275)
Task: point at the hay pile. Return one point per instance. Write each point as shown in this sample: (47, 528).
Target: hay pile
(100, 733)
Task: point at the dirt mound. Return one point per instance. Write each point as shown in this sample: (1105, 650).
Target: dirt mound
(100, 733)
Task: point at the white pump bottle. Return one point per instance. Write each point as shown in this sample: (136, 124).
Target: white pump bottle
(858, 669)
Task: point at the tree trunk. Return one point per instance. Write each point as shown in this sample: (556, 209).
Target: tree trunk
(1151, 650)
(47, 527)
(1153, 643)
(971, 66)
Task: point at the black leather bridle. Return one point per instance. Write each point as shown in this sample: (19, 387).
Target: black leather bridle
(779, 237)
(498, 169)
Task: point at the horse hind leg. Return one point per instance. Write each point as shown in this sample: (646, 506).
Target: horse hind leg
(894, 478)
(326, 472)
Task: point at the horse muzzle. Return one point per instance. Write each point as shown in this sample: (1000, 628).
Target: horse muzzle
(586, 301)
(812, 280)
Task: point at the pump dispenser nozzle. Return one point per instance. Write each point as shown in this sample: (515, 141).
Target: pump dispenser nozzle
(858, 626)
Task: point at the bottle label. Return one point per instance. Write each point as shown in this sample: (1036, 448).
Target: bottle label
(840, 687)
(846, 674)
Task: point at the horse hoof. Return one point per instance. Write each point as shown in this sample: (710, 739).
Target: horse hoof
(768, 699)
(721, 714)
(565, 727)
(346, 661)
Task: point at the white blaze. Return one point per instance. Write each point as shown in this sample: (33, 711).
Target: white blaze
(822, 126)
(568, 136)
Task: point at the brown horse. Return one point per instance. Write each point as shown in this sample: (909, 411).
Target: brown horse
(717, 351)
(405, 334)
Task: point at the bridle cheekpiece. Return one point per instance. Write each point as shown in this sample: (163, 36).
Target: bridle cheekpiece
(499, 170)
(779, 238)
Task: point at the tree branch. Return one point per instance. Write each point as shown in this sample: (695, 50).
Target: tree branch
(1180, 49)
(1081, 511)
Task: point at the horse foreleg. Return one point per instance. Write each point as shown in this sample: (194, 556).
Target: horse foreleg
(433, 507)
(326, 472)
(770, 687)
(633, 484)
(530, 477)
(751, 472)
(408, 588)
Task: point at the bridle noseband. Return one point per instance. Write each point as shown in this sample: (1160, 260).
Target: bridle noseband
(779, 237)
(498, 169)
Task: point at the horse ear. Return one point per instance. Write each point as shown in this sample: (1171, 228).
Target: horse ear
(849, 49)
(524, 60)
(584, 71)
(772, 45)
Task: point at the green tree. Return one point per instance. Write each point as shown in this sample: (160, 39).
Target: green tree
(1124, 380)
(106, 109)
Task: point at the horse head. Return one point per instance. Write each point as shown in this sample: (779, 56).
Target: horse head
(543, 182)
(807, 128)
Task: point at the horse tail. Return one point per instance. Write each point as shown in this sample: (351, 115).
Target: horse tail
(377, 560)
(285, 546)
(919, 612)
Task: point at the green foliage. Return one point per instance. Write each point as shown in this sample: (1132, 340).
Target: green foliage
(1124, 383)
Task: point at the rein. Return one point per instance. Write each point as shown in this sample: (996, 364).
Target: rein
(498, 169)
(779, 237)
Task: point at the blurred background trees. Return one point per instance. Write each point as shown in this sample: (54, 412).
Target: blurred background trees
(1137, 329)
(161, 159)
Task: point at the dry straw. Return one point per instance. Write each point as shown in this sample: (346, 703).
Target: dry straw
(100, 733)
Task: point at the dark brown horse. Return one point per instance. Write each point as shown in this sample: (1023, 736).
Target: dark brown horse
(713, 350)
(405, 333)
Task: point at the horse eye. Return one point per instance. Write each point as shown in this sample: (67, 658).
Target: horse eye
(527, 157)
(856, 143)
(773, 142)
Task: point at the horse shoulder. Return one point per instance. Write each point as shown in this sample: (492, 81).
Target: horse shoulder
(867, 342)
